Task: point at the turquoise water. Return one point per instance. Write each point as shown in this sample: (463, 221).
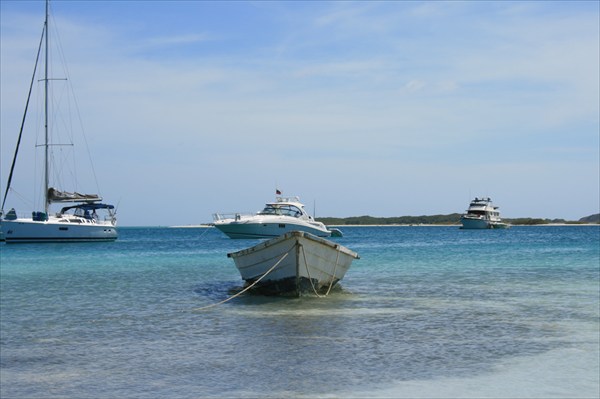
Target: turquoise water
(426, 312)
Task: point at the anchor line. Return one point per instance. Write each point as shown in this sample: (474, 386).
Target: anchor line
(247, 288)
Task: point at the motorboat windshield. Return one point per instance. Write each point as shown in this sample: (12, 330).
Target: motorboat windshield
(282, 210)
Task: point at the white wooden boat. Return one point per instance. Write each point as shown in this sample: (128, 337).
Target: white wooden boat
(294, 264)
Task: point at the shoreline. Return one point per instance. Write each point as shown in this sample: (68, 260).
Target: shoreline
(459, 225)
(206, 226)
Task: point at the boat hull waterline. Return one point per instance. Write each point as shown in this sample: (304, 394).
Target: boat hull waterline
(308, 264)
(28, 231)
(480, 224)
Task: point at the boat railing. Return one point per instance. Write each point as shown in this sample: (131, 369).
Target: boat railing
(41, 216)
(472, 216)
(35, 215)
(231, 215)
(288, 199)
(13, 215)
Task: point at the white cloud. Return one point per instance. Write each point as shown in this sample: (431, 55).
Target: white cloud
(414, 85)
(177, 40)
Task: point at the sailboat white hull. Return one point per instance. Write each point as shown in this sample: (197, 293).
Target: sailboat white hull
(27, 230)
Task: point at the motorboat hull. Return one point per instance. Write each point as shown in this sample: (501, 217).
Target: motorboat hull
(474, 224)
(305, 264)
(481, 224)
(28, 231)
(258, 229)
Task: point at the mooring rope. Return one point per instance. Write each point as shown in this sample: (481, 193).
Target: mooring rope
(310, 279)
(337, 256)
(245, 289)
(204, 232)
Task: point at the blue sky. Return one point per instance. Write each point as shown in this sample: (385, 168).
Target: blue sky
(362, 108)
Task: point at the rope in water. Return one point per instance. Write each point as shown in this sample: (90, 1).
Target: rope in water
(245, 289)
(204, 232)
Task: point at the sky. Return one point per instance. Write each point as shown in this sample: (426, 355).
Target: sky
(386, 108)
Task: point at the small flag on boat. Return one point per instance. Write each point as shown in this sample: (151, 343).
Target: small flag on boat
(278, 191)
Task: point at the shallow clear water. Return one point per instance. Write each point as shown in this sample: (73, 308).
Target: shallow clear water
(425, 312)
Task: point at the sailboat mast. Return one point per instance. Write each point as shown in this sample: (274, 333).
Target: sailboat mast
(46, 161)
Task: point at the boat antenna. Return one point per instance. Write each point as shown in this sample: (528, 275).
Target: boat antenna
(12, 167)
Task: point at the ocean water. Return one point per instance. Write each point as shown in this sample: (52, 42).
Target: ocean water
(430, 312)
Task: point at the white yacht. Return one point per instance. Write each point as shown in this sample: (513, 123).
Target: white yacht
(86, 218)
(482, 214)
(284, 215)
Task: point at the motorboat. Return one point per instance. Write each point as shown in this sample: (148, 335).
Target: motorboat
(83, 217)
(294, 264)
(284, 215)
(482, 214)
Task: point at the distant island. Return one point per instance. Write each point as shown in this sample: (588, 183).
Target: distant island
(450, 219)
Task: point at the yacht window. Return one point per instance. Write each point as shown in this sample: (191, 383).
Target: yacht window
(477, 212)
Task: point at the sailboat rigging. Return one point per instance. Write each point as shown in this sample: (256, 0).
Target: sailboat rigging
(74, 223)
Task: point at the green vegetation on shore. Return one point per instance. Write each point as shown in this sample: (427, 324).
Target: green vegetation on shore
(451, 219)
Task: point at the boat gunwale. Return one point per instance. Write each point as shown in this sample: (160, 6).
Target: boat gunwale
(297, 236)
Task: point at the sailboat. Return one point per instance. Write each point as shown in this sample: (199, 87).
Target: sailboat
(82, 218)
